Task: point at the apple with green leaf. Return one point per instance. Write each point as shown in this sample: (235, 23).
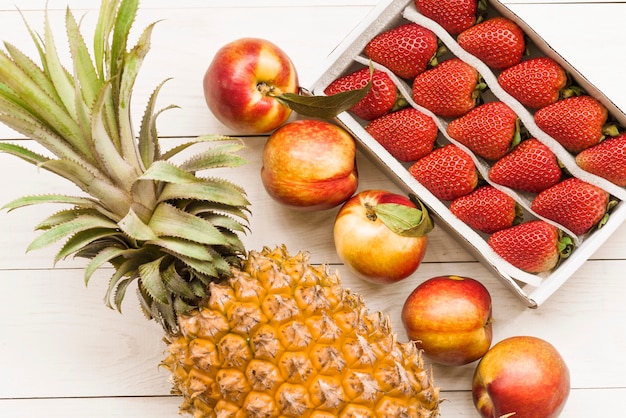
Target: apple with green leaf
(450, 318)
(251, 86)
(381, 236)
(242, 81)
(521, 376)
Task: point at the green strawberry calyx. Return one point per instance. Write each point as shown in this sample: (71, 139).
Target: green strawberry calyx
(404, 220)
(565, 246)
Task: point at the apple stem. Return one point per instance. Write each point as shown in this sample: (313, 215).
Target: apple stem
(370, 213)
(265, 89)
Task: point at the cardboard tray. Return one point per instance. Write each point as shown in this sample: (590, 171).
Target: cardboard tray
(531, 289)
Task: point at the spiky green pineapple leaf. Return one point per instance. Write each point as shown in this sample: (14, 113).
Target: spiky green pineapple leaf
(180, 306)
(84, 69)
(32, 70)
(78, 224)
(132, 64)
(44, 108)
(134, 227)
(122, 22)
(105, 256)
(63, 216)
(148, 143)
(125, 269)
(120, 292)
(104, 26)
(216, 157)
(121, 170)
(217, 190)
(234, 241)
(206, 270)
(200, 139)
(23, 153)
(19, 119)
(180, 246)
(92, 183)
(168, 221)
(61, 79)
(223, 222)
(168, 173)
(24, 201)
(81, 239)
(177, 284)
(203, 208)
(151, 280)
(166, 314)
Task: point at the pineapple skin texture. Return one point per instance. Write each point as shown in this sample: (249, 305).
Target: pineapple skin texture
(282, 338)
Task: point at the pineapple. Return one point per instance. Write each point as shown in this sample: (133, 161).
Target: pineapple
(261, 334)
(283, 338)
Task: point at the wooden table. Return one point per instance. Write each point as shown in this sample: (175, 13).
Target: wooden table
(63, 354)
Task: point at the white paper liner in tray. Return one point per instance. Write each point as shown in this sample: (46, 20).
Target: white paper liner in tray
(532, 289)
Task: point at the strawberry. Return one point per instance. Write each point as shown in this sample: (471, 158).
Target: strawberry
(536, 82)
(406, 50)
(530, 167)
(489, 130)
(607, 159)
(447, 172)
(407, 134)
(533, 246)
(498, 42)
(487, 209)
(453, 15)
(378, 101)
(576, 122)
(573, 203)
(451, 89)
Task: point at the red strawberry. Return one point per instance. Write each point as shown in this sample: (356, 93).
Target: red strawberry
(607, 159)
(447, 172)
(407, 134)
(406, 50)
(489, 130)
(498, 42)
(576, 122)
(573, 203)
(533, 246)
(536, 82)
(451, 89)
(378, 101)
(487, 209)
(453, 15)
(530, 167)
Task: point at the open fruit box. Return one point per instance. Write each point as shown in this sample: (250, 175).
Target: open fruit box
(532, 289)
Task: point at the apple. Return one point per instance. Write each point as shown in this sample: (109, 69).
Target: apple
(310, 164)
(449, 317)
(521, 376)
(242, 81)
(381, 236)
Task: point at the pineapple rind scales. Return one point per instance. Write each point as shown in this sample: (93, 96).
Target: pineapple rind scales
(282, 338)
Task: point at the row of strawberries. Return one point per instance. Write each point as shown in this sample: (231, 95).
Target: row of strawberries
(453, 89)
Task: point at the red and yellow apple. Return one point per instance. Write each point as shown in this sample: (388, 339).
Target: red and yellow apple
(310, 164)
(367, 243)
(241, 82)
(521, 376)
(449, 317)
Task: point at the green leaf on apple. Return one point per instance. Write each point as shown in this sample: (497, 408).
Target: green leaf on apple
(405, 220)
(324, 107)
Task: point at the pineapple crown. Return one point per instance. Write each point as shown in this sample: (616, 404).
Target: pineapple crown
(158, 223)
